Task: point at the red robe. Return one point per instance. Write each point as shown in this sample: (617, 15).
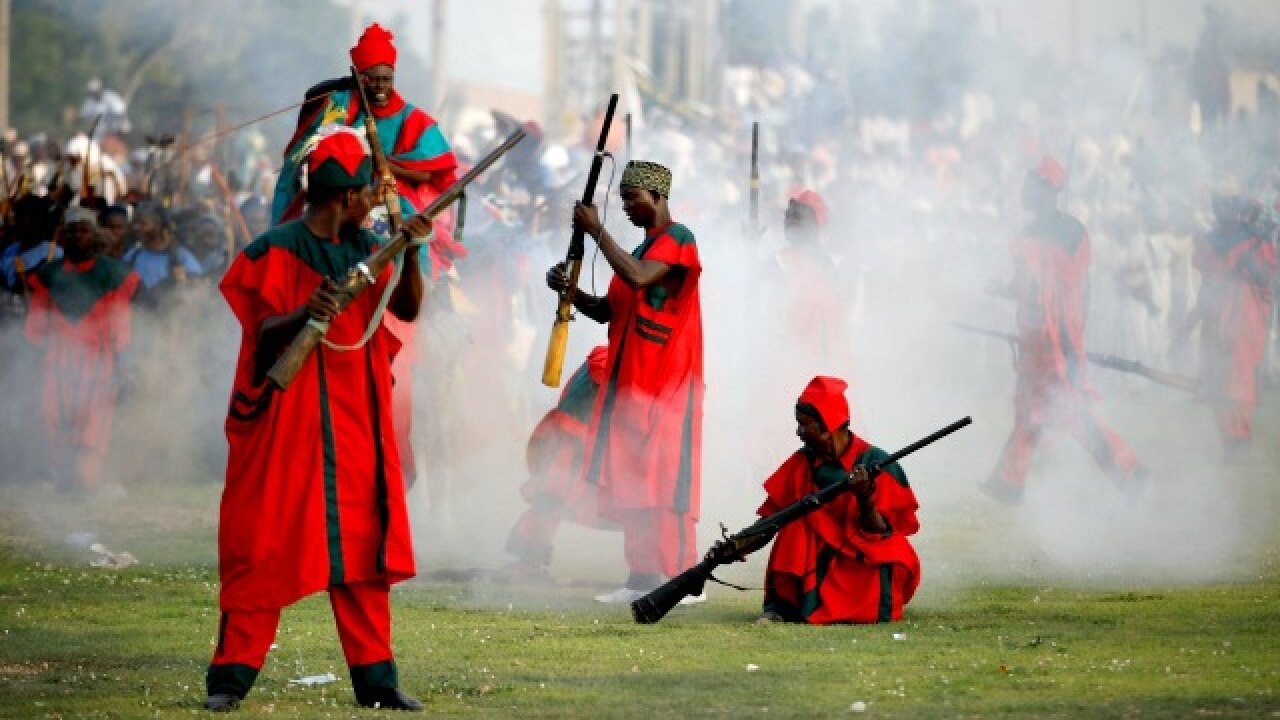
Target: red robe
(1236, 306)
(314, 495)
(644, 440)
(80, 315)
(823, 568)
(554, 452)
(1052, 259)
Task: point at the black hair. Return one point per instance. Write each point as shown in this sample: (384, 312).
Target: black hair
(112, 210)
(320, 194)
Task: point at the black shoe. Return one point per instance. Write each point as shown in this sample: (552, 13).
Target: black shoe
(221, 702)
(389, 699)
(1000, 490)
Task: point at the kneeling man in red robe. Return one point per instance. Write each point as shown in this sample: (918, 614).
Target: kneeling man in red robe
(849, 561)
(314, 498)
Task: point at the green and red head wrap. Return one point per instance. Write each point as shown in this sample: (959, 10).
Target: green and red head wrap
(339, 160)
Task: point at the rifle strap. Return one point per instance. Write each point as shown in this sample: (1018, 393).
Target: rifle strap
(715, 579)
(376, 320)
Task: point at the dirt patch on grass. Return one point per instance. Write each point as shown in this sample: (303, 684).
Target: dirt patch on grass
(23, 669)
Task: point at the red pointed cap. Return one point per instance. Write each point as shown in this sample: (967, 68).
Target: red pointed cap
(1052, 172)
(813, 201)
(374, 48)
(825, 395)
(340, 160)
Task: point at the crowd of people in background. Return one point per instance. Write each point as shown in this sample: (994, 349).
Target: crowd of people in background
(907, 196)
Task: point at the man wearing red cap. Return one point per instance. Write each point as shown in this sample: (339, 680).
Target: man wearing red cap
(850, 560)
(314, 499)
(809, 294)
(1237, 265)
(1050, 286)
(644, 439)
(416, 149)
(816, 314)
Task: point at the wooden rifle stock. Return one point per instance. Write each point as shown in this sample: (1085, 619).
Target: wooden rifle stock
(553, 367)
(366, 272)
(653, 607)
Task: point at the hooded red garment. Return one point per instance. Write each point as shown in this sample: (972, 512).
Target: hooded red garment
(644, 440)
(373, 48)
(824, 568)
(826, 395)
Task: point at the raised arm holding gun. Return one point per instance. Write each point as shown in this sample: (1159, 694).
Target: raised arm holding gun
(644, 440)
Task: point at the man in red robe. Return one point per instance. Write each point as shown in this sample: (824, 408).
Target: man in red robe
(314, 498)
(1050, 286)
(850, 560)
(1237, 265)
(555, 489)
(80, 316)
(644, 439)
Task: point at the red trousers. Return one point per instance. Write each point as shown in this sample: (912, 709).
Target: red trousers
(1038, 407)
(658, 541)
(362, 612)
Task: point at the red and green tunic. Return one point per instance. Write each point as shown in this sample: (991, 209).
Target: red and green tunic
(80, 315)
(1052, 257)
(410, 137)
(314, 495)
(1235, 303)
(644, 440)
(823, 568)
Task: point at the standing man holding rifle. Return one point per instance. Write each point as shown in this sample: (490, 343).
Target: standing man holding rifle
(314, 498)
(644, 439)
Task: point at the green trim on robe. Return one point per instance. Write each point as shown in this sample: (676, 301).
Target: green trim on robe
(323, 256)
(886, 594)
(75, 293)
(332, 516)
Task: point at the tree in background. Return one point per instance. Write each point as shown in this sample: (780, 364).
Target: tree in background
(173, 57)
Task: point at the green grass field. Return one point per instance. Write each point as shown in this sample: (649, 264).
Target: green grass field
(84, 642)
(1071, 607)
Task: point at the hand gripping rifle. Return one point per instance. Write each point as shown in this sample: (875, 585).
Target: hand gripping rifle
(366, 272)
(554, 364)
(1111, 362)
(652, 607)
